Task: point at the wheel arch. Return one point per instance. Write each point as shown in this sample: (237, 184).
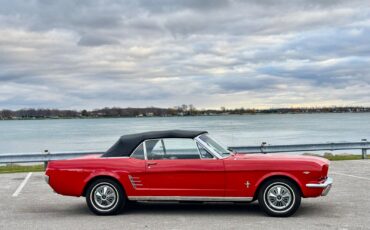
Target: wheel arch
(277, 176)
(97, 177)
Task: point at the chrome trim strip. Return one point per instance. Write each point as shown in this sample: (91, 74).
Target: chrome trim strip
(132, 181)
(188, 198)
(164, 148)
(135, 181)
(145, 153)
(206, 148)
(326, 183)
(202, 143)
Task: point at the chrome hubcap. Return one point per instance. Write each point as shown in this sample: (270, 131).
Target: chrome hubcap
(105, 196)
(279, 197)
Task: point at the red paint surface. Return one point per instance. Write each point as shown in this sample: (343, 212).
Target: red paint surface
(206, 177)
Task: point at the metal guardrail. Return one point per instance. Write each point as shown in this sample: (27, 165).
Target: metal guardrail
(264, 148)
(42, 157)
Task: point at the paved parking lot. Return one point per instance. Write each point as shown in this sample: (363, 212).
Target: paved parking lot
(35, 206)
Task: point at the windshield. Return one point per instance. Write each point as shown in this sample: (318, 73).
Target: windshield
(214, 145)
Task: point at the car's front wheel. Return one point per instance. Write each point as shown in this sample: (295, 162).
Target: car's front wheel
(105, 197)
(279, 197)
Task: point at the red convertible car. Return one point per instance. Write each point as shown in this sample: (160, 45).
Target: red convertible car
(180, 165)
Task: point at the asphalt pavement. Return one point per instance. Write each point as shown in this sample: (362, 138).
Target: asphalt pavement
(27, 202)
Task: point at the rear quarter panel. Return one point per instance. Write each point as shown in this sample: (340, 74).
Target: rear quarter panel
(69, 177)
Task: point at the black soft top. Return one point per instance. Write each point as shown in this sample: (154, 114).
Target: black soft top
(128, 143)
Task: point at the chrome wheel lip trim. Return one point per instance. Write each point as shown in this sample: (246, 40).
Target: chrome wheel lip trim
(92, 197)
(291, 203)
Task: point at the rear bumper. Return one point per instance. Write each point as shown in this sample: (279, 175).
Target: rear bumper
(326, 186)
(46, 178)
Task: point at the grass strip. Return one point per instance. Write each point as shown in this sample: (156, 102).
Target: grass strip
(14, 168)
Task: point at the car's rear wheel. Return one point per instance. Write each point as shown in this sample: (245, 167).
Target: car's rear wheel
(279, 197)
(105, 197)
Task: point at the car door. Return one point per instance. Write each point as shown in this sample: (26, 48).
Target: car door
(177, 167)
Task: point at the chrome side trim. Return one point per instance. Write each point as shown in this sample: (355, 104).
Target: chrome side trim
(326, 183)
(135, 181)
(188, 198)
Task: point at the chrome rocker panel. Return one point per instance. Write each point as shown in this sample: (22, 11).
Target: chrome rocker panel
(189, 198)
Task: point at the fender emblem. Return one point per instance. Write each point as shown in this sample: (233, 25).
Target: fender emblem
(247, 184)
(306, 172)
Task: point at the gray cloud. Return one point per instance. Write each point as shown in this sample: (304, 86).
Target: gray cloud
(92, 40)
(87, 54)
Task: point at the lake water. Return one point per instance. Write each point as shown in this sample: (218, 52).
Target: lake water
(246, 130)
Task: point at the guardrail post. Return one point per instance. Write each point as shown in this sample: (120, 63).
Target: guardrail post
(263, 144)
(364, 155)
(46, 162)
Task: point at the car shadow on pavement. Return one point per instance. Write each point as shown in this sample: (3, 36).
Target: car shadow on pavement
(232, 209)
(173, 208)
(184, 209)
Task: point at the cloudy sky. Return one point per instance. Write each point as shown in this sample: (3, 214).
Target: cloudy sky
(273, 53)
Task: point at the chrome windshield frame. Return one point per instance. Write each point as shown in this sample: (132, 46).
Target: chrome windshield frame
(205, 145)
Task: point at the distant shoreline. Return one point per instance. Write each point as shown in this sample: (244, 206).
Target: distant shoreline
(167, 116)
(177, 111)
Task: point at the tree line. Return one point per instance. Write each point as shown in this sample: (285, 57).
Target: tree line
(183, 110)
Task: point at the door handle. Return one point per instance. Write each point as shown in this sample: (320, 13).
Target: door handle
(151, 163)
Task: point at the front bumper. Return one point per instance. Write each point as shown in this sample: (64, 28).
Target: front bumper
(326, 185)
